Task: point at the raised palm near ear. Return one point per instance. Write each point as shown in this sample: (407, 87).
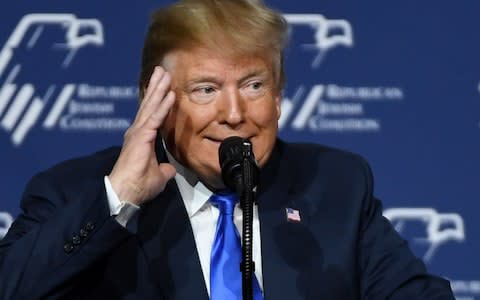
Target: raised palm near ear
(137, 176)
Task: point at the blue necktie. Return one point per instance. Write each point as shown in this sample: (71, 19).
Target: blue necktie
(225, 274)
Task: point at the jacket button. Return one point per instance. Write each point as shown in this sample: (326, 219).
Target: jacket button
(76, 240)
(68, 247)
(90, 226)
(83, 233)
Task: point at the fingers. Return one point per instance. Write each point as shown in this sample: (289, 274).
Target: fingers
(137, 176)
(157, 75)
(157, 102)
(158, 115)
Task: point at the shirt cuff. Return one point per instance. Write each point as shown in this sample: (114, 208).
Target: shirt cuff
(122, 210)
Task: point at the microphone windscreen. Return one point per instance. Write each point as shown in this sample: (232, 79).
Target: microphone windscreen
(230, 158)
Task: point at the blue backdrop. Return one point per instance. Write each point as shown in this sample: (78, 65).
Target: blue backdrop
(395, 81)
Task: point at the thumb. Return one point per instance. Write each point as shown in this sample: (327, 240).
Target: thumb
(167, 170)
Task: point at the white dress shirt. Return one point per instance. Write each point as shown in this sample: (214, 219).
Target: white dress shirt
(203, 217)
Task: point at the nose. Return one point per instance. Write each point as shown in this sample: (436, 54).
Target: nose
(231, 109)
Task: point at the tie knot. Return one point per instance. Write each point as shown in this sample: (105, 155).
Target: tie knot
(225, 202)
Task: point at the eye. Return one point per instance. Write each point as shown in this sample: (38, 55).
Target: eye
(206, 90)
(254, 89)
(203, 94)
(256, 85)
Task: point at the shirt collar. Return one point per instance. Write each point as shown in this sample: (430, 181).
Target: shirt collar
(194, 193)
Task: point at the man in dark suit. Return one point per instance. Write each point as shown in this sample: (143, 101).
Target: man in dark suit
(138, 222)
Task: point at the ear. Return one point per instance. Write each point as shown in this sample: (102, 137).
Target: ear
(278, 98)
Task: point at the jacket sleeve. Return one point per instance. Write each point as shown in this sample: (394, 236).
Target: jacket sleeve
(388, 267)
(58, 235)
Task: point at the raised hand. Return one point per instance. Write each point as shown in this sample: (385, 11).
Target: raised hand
(137, 176)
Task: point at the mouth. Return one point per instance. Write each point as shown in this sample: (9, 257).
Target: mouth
(218, 141)
(214, 140)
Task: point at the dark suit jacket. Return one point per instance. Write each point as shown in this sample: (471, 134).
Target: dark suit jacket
(65, 244)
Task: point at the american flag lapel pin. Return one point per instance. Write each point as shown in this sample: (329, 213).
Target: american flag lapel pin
(293, 215)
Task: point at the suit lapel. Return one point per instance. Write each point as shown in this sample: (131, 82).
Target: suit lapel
(279, 263)
(166, 237)
(292, 256)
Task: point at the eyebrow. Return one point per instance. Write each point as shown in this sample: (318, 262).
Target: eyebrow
(217, 80)
(203, 78)
(253, 73)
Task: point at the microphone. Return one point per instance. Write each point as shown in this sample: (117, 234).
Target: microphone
(234, 153)
(240, 173)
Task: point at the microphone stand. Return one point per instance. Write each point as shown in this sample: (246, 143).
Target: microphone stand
(249, 171)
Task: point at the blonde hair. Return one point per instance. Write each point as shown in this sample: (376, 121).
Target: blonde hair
(233, 27)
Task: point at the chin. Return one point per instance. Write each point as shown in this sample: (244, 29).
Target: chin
(213, 182)
(261, 161)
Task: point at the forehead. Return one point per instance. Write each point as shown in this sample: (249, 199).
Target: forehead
(200, 61)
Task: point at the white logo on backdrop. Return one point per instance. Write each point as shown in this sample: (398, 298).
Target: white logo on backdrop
(6, 221)
(27, 106)
(332, 107)
(328, 34)
(335, 108)
(440, 229)
(465, 289)
(435, 223)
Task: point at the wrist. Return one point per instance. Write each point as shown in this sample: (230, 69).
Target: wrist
(126, 191)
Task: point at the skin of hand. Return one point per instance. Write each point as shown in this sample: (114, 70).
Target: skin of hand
(137, 176)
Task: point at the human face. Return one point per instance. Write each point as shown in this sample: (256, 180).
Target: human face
(217, 97)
